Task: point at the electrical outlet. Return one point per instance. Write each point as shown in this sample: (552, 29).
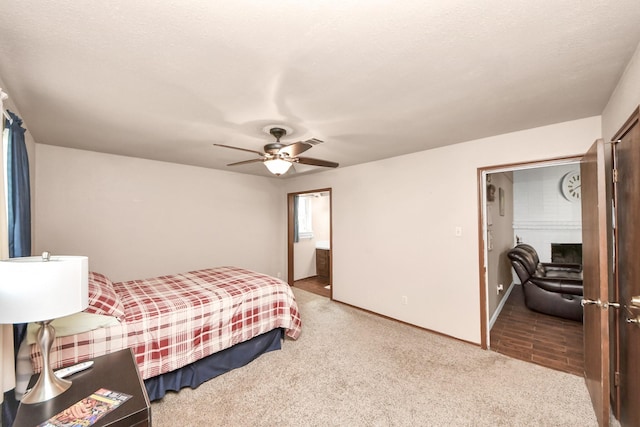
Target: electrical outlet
(500, 288)
(279, 275)
(405, 300)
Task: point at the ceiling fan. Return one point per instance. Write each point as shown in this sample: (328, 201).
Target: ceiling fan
(278, 157)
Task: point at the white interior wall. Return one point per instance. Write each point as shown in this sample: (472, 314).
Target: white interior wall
(321, 217)
(394, 225)
(542, 215)
(624, 99)
(304, 259)
(138, 218)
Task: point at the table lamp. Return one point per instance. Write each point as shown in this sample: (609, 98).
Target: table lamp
(40, 289)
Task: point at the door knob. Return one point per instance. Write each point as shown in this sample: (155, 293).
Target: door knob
(635, 321)
(597, 302)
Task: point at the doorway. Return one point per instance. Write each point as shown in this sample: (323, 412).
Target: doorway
(508, 326)
(309, 241)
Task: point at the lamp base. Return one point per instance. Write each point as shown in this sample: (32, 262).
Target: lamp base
(48, 385)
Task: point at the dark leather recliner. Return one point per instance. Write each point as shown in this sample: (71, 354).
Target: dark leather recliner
(548, 288)
(553, 269)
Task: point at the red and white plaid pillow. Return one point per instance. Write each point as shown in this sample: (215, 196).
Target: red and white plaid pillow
(103, 298)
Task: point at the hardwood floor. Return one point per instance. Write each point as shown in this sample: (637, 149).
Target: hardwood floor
(538, 338)
(316, 285)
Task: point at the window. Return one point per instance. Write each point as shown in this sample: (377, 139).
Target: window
(305, 220)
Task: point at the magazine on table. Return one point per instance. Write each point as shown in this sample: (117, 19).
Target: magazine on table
(88, 410)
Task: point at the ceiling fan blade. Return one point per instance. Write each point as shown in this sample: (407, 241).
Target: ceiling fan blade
(241, 149)
(292, 150)
(316, 162)
(245, 162)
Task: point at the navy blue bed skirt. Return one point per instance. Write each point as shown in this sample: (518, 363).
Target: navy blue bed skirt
(217, 364)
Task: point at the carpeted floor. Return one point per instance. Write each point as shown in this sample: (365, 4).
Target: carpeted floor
(352, 368)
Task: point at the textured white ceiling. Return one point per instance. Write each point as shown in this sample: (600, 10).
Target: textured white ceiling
(165, 80)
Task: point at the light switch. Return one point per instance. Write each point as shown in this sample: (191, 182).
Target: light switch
(458, 231)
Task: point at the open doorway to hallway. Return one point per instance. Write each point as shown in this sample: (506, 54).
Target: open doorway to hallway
(310, 243)
(526, 204)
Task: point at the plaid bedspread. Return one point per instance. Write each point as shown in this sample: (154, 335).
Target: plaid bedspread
(171, 321)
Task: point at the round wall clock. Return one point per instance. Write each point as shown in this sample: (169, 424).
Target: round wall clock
(571, 186)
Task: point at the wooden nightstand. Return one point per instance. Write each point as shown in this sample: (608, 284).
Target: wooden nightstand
(116, 371)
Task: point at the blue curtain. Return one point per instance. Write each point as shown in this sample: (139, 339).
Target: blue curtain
(296, 226)
(19, 192)
(19, 227)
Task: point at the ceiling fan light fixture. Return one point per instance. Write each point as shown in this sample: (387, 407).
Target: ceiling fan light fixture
(278, 156)
(277, 166)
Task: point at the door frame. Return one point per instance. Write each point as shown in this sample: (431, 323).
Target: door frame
(482, 228)
(597, 242)
(622, 364)
(290, 242)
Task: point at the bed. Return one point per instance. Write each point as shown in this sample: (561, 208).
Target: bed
(183, 329)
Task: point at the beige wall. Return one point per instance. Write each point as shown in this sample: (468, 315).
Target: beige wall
(624, 99)
(138, 218)
(394, 220)
(394, 225)
(501, 228)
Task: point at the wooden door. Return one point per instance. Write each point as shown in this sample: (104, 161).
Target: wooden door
(595, 171)
(627, 199)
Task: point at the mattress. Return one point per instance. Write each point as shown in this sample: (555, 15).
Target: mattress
(172, 321)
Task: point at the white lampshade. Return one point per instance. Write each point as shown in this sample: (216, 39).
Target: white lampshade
(32, 289)
(277, 166)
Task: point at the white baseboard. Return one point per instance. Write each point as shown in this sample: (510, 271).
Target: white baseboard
(501, 305)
